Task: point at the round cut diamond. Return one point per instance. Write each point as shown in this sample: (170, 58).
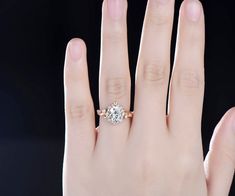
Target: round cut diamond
(115, 113)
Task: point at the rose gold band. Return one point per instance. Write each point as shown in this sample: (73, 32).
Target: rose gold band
(128, 114)
(101, 112)
(115, 113)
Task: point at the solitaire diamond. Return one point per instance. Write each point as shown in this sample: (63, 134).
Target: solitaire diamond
(115, 113)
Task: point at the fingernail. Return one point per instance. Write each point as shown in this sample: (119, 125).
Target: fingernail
(193, 10)
(75, 49)
(116, 8)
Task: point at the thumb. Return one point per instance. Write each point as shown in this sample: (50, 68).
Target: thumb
(220, 160)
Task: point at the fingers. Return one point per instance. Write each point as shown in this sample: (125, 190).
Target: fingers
(220, 160)
(154, 63)
(187, 83)
(114, 71)
(79, 112)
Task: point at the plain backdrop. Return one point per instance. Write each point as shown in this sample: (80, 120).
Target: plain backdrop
(33, 37)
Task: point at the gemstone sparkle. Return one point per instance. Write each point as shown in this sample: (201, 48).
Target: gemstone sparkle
(115, 113)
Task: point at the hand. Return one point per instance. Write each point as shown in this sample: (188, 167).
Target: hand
(153, 154)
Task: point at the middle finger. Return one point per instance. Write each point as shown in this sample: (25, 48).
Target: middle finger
(153, 67)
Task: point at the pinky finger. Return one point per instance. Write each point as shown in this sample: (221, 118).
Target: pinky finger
(79, 110)
(79, 114)
(220, 160)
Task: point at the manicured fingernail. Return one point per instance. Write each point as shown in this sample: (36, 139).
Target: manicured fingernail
(116, 8)
(75, 50)
(193, 10)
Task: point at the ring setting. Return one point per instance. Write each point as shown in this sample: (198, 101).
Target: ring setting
(115, 113)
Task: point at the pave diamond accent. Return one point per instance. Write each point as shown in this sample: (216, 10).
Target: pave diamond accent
(115, 113)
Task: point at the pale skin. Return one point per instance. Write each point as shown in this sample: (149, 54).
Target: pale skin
(152, 154)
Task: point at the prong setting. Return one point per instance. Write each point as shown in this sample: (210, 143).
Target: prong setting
(114, 113)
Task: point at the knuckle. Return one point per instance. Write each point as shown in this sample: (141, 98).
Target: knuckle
(78, 112)
(156, 21)
(153, 72)
(157, 18)
(114, 36)
(117, 87)
(189, 79)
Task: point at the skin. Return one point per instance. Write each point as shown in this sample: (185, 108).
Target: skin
(152, 154)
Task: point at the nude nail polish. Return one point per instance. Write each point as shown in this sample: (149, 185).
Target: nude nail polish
(75, 50)
(116, 8)
(193, 10)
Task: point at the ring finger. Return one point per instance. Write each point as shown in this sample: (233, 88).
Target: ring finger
(114, 84)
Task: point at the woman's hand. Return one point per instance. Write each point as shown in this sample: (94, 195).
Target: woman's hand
(153, 154)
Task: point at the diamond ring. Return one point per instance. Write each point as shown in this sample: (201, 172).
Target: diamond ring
(115, 113)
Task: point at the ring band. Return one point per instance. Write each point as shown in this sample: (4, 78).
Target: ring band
(115, 113)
